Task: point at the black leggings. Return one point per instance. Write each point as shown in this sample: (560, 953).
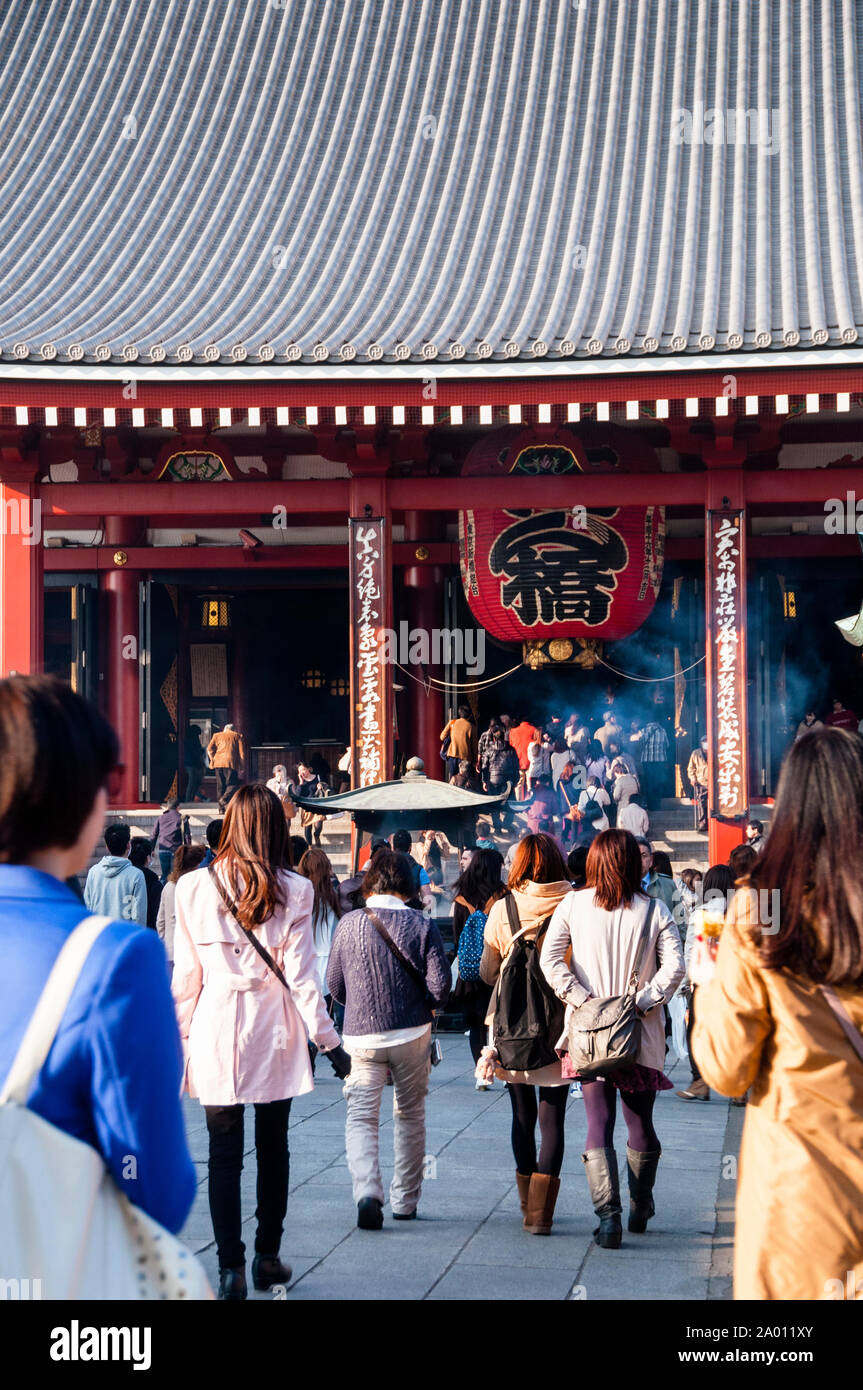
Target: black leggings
(225, 1125)
(600, 1104)
(551, 1113)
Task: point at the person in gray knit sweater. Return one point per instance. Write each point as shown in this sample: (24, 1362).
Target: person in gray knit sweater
(387, 966)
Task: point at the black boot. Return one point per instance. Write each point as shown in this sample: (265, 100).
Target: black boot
(268, 1270)
(600, 1165)
(232, 1284)
(370, 1214)
(642, 1168)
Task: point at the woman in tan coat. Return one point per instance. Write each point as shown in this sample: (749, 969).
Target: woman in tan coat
(781, 1012)
(537, 882)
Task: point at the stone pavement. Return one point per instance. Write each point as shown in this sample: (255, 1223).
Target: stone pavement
(467, 1242)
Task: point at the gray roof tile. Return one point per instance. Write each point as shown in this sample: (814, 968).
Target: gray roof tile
(476, 180)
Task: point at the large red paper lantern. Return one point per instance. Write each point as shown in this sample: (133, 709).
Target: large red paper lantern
(562, 572)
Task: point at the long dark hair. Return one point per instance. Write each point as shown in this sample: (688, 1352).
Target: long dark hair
(482, 879)
(252, 850)
(812, 857)
(316, 867)
(614, 869)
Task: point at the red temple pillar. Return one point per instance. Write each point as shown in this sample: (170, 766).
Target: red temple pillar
(423, 584)
(123, 666)
(726, 627)
(21, 563)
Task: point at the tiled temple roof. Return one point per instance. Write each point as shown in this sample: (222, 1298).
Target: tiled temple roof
(336, 182)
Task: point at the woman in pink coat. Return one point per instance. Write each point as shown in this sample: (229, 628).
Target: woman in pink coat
(246, 991)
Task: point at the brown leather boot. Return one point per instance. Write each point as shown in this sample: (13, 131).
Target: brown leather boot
(523, 1181)
(541, 1199)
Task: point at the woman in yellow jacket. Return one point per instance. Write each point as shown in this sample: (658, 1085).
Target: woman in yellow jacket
(781, 1012)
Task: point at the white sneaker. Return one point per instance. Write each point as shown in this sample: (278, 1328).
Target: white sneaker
(483, 1085)
(575, 1091)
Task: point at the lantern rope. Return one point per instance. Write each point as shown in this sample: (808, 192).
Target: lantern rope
(446, 685)
(650, 680)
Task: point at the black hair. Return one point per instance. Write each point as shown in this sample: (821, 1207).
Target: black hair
(576, 863)
(718, 879)
(117, 838)
(50, 738)
(482, 879)
(402, 841)
(140, 851)
(296, 849)
(213, 833)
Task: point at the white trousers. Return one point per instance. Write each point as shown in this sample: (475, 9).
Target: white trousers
(410, 1065)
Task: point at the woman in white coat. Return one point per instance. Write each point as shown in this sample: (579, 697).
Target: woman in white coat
(616, 931)
(247, 994)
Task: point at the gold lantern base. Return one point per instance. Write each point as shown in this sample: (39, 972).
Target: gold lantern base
(585, 652)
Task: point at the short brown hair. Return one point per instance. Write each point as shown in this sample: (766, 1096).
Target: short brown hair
(186, 858)
(537, 859)
(741, 859)
(56, 752)
(389, 871)
(614, 869)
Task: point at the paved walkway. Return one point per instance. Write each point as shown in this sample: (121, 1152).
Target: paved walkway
(467, 1241)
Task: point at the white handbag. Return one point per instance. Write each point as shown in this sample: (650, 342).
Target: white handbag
(64, 1224)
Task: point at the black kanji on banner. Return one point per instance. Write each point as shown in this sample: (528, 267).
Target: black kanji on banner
(553, 571)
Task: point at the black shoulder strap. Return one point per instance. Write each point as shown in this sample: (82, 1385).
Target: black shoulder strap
(402, 959)
(512, 914)
(232, 908)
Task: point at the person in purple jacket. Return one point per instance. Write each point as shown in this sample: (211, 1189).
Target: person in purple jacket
(112, 1076)
(388, 967)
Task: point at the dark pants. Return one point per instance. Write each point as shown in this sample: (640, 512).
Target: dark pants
(166, 862)
(653, 782)
(194, 776)
(501, 818)
(227, 779)
(600, 1105)
(690, 1022)
(451, 768)
(310, 830)
(700, 794)
(551, 1113)
(225, 1126)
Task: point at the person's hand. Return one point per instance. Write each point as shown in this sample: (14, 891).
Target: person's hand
(340, 1061)
(702, 966)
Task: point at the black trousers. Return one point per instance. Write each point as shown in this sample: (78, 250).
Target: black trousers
(225, 1126)
(227, 779)
(690, 1024)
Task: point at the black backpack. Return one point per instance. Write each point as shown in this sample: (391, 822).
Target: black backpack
(528, 1016)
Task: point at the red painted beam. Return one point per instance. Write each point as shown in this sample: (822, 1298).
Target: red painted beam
(409, 390)
(307, 496)
(71, 559)
(316, 496)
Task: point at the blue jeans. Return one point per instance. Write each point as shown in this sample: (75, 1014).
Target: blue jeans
(166, 862)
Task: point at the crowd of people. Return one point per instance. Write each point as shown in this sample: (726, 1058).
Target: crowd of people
(566, 970)
(567, 777)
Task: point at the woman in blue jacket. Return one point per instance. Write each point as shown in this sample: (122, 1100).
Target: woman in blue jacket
(112, 1076)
